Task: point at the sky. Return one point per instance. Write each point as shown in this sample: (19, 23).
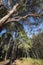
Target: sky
(35, 30)
(28, 30)
(26, 27)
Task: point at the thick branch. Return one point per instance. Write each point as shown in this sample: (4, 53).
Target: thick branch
(5, 18)
(24, 17)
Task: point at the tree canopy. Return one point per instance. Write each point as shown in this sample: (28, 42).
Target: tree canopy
(16, 18)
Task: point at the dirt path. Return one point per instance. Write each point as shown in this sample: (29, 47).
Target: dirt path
(4, 62)
(17, 62)
(24, 61)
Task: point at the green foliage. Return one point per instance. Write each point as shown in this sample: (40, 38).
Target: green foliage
(38, 45)
(21, 42)
(25, 45)
(30, 61)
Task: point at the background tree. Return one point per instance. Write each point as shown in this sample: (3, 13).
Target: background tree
(19, 13)
(38, 45)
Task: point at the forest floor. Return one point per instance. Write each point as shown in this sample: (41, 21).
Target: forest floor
(24, 61)
(4, 62)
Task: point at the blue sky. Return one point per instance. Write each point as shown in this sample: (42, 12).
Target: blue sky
(35, 29)
(26, 27)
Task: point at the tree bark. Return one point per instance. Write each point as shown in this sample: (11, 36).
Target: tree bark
(5, 18)
(17, 6)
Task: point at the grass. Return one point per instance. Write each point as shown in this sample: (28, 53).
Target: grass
(29, 61)
(25, 61)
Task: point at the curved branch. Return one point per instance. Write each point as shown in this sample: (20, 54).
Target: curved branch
(23, 18)
(5, 18)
